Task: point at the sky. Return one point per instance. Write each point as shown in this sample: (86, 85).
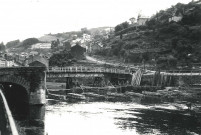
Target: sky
(21, 19)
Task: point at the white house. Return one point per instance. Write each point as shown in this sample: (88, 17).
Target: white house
(41, 46)
(5, 63)
(176, 18)
(132, 20)
(142, 20)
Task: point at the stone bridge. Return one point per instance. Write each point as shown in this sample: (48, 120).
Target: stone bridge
(100, 74)
(25, 84)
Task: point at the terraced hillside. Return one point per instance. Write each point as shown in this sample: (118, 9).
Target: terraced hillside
(163, 40)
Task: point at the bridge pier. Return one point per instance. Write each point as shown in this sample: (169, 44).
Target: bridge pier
(38, 89)
(69, 82)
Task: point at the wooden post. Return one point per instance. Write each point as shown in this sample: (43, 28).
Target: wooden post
(191, 78)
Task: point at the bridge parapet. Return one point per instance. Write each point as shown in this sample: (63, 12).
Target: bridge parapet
(82, 69)
(181, 72)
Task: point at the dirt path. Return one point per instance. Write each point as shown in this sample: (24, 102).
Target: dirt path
(100, 61)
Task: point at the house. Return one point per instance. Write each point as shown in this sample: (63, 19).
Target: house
(2, 62)
(142, 20)
(176, 18)
(37, 61)
(86, 37)
(77, 51)
(132, 20)
(177, 15)
(73, 42)
(6, 63)
(10, 63)
(33, 53)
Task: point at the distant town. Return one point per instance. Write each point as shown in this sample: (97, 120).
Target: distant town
(44, 47)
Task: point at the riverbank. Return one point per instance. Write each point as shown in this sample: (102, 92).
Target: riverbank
(188, 98)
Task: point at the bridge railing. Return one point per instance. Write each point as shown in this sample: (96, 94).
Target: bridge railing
(181, 71)
(10, 126)
(88, 69)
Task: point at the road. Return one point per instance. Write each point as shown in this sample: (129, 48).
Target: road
(148, 72)
(100, 62)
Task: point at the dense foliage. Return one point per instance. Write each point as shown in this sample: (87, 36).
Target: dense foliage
(61, 59)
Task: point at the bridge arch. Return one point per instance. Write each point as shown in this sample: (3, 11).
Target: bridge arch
(16, 91)
(15, 80)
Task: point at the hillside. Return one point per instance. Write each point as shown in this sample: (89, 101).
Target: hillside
(49, 38)
(170, 39)
(94, 30)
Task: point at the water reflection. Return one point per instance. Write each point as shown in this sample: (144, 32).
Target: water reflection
(117, 118)
(161, 121)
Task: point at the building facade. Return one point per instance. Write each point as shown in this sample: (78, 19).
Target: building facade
(41, 46)
(142, 20)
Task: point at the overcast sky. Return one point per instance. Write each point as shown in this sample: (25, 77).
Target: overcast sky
(21, 19)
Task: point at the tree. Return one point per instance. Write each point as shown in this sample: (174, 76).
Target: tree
(121, 26)
(12, 43)
(2, 47)
(29, 41)
(118, 28)
(125, 25)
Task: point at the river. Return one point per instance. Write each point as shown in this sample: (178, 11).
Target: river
(108, 118)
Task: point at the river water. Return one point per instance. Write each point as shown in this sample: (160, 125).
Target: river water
(108, 118)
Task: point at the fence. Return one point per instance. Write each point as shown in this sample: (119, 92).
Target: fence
(173, 78)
